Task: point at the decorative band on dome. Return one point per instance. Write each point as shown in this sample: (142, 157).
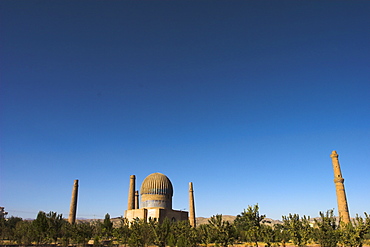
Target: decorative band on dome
(157, 191)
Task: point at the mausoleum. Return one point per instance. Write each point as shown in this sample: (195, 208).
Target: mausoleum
(156, 194)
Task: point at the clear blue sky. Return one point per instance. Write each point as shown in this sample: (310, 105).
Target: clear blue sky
(246, 99)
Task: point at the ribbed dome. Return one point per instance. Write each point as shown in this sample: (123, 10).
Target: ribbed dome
(157, 184)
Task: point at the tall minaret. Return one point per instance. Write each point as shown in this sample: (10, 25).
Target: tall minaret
(73, 207)
(137, 199)
(131, 194)
(339, 186)
(191, 206)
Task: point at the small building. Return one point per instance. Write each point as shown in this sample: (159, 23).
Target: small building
(2, 213)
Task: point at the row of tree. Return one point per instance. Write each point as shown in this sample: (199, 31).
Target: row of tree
(248, 227)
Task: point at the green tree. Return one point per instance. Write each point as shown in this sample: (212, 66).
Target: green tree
(107, 227)
(66, 233)
(326, 232)
(41, 227)
(299, 229)
(222, 232)
(97, 231)
(122, 232)
(55, 224)
(160, 231)
(141, 233)
(282, 234)
(182, 234)
(24, 233)
(248, 224)
(270, 234)
(8, 227)
(3, 229)
(203, 234)
(171, 240)
(82, 232)
(353, 233)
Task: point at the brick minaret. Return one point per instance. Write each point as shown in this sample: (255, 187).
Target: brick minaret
(73, 207)
(339, 186)
(131, 194)
(137, 199)
(191, 206)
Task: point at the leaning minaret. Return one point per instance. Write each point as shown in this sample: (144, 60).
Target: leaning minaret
(73, 207)
(339, 186)
(191, 206)
(131, 194)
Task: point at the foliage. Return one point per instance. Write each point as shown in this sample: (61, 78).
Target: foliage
(186, 234)
(66, 233)
(122, 232)
(326, 232)
(8, 227)
(24, 233)
(299, 229)
(221, 232)
(41, 227)
(81, 233)
(353, 233)
(204, 235)
(160, 232)
(270, 235)
(248, 224)
(141, 233)
(55, 223)
(282, 234)
(107, 227)
(182, 234)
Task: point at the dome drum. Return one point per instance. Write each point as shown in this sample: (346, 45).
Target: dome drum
(156, 204)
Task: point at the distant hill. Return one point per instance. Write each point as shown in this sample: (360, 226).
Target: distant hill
(202, 220)
(231, 218)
